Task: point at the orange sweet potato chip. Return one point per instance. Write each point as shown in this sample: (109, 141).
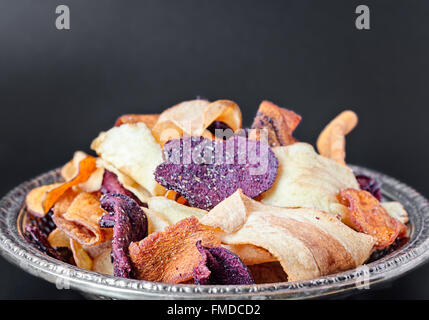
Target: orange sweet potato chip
(34, 199)
(279, 122)
(148, 119)
(86, 167)
(171, 256)
(368, 216)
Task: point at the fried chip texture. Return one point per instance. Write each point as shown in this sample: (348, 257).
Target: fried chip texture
(80, 220)
(308, 243)
(220, 266)
(81, 258)
(331, 142)
(34, 199)
(130, 224)
(148, 119)
(59, 239)
(250, 254)
(193, 117)
(396, 210)
(279, 122)
(171, 256)
(173, 211)
(102, 262)
(133, 150)
(308, 180)
(367, 215)
(86, 167)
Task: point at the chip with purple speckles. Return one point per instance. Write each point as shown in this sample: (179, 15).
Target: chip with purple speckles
(220, 266)
(205, 171)
(129, 224)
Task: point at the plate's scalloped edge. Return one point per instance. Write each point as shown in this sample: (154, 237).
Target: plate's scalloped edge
(14, 248)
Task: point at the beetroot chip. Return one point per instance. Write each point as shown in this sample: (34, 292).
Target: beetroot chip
(206, 171)
(38, 238)
(129, 224)
(220, 266)
(111, 184)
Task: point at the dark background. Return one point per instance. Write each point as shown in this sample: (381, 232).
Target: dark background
(58, 89)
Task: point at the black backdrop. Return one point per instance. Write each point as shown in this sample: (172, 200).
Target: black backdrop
(58, 89)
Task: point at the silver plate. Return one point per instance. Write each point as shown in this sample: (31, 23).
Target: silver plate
(15, 249)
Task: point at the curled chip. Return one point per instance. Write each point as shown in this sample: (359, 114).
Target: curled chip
(130, 224)
(194, 117)
(111, 184)
(34, 199)
(270, 272)
(279, 122)
(220, 266)
(205, 171)
(86, 167)
(78, 216)
(331, 142)
(367, 215)
(148, 119)
(171, 256)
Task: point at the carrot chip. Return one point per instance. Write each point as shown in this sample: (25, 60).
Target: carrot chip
(86, 167)
(172, 255)
(367, 215)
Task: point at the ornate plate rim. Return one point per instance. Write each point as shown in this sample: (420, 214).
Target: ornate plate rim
(14, 248)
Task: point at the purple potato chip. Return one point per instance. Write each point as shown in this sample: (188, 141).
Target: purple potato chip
(111, 184)
(130, 224)
(205, 171)
(369, 184)
(39, 239)
(220, 266)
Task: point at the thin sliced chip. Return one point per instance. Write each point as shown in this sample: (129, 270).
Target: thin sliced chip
(396, 210)
(367, 215)
(220, 266)
(80, 220)
(102, 262)
(279, 122)
(331, 142)
(133, 150)
(171, 256)
(308, 180)
(34, 199)
(86, 167)
(127, 183)
(250, 254)
(59, 239)
(308, 243)
(148, 119)
(173, 211)
(156, 221)
(81, 258)
(71, 169)
(194, 117)
(270, 272)
(94, 251)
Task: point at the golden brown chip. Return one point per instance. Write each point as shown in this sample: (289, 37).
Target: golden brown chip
(71, 168)
(193, 117)
(34, 199)
(250, 254)
(171, 256)
(279, 122)
(331, 142)
(148, 119)
(58, 239)
(102, 263)
(80, 220)
(86, 167)
(81, 258)
(367, 215)
(270, 272)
